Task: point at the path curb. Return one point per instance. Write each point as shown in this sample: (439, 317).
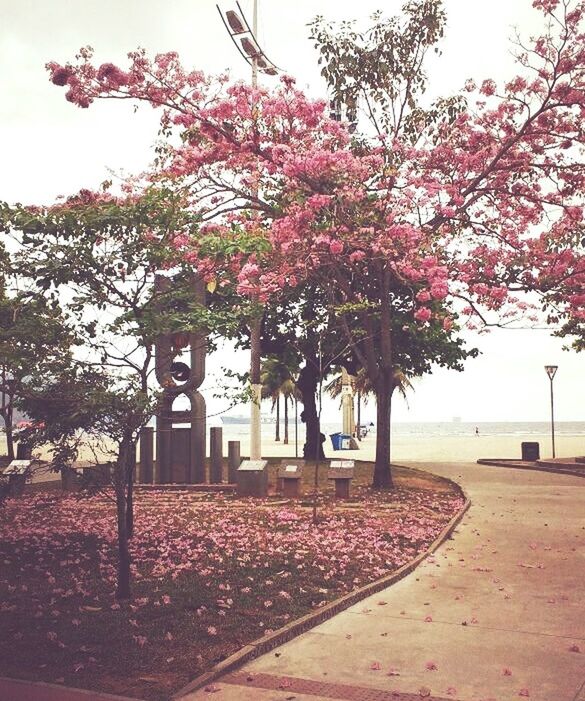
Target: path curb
(301, 625)
(519, 465)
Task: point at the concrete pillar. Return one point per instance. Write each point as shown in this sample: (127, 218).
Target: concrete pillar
(255, 423)
(347, 402)
(256, 391)
(164, 426)
(23, 451)
(146, 455)
(69, 480)
(198, 438)
(216, 455)
(234, 460)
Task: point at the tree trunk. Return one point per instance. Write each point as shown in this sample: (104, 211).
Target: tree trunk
(130, 475)
(307, 384)
(120, 484)
(285, 420)
(6, 413)
(9, 436)
(382, 469)
(359, 415)
(277, 430)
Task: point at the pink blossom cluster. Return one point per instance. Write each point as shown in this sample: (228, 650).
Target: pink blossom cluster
(493, 196)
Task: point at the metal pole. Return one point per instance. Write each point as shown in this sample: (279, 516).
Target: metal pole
(552, 417)
(255, 32)
(296, 430)
(256, 399)
(255, 326)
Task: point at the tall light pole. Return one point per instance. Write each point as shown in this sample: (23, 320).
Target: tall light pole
(551, 371)
(256, 324)
(246, 42)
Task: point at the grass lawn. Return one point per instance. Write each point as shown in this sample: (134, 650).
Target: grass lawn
(211, 573)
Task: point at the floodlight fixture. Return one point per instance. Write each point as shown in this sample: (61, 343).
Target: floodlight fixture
(245, 40)
(251, 49)
(235, 22)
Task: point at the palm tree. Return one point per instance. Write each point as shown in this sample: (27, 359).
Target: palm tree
(364, 389)
(289, 391)
(276, 379)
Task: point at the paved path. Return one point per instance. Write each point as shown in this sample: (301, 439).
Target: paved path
(506, 598)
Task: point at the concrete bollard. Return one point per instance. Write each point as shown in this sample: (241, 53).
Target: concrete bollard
(69, 479)
(146, 455)
(234, 461)
(23, 451)
(216, 455)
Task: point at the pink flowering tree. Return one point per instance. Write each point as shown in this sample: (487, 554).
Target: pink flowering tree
(483, 203)
(98, 255)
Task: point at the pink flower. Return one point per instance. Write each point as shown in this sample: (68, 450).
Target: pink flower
(422, 314)
(60, 74)
(375, 666)
(523, 692)
(439, 290)
(507, 672)
(212, 630)
(431, 666)
(336, 247)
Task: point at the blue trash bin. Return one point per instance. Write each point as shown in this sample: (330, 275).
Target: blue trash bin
(340, 441)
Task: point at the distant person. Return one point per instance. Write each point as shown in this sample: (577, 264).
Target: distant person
(476, 431)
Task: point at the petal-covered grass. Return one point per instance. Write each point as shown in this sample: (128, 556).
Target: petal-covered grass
(211, 573)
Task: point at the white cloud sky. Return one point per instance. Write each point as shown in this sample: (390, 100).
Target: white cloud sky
(49, 148)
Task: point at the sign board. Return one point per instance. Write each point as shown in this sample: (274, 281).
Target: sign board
(252, 466)
(290, 467)
(342, 463)
(18, 467)
(341, 469)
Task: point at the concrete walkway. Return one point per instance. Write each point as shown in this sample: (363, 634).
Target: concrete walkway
(497, 614)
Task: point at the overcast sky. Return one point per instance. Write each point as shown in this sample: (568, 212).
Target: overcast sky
(50, 148)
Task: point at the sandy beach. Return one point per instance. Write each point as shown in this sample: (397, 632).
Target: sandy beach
(428, 449)
(419, 448)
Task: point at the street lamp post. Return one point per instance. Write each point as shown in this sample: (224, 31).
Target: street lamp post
(245, 40)
(551, 371)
